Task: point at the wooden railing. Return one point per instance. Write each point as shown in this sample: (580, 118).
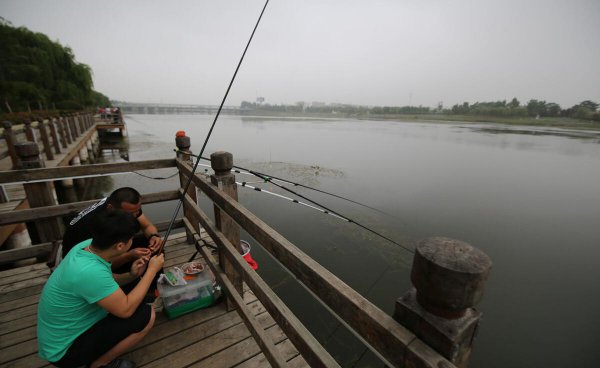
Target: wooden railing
(52, 135)
(394, 343)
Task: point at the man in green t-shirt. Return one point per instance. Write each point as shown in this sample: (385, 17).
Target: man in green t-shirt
(84, 318)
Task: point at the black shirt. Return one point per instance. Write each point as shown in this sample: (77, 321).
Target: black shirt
(80, 227)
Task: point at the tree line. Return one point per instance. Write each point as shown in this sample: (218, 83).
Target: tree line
(587, 110)
(38, 73)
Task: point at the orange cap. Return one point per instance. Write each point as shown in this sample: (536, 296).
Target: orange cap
(180, 133)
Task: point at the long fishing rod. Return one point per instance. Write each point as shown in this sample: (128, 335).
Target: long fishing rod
(271, 177)
(189, 181)
(339, 214)
(323, 209)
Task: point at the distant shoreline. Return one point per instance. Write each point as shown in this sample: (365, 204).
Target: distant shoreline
(554, 122)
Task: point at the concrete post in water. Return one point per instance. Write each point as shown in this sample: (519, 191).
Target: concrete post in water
(222, 163)
(448, 277)
(11, 140)
(183, 144)
(39, 194)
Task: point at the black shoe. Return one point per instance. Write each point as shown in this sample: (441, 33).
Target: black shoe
(120, 363)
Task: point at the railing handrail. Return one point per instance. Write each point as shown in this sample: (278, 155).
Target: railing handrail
(54, 173)
(392, 341)
(40, 213)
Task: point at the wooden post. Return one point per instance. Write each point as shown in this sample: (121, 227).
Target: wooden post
(67, 128)
(54, 134)
(183, 144)
(62, 133)
(29, 131)
(224, 179)
(45, 139)
(11, 140)
(39, 194)
(448, 277)
(72, 127)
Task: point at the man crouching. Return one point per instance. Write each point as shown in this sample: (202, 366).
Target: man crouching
(84, 318)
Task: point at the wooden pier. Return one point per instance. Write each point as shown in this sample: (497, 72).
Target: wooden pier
(252, 327)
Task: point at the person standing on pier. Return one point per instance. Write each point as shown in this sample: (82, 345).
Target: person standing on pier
(84, 317)
(128, 200)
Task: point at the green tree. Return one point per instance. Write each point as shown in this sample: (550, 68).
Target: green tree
(39, 72)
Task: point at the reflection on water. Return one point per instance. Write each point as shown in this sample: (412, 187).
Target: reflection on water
(530, 201)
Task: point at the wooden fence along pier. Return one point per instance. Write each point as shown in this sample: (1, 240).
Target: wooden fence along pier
(433, 326)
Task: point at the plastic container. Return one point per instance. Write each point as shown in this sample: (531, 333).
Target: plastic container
(182, 299)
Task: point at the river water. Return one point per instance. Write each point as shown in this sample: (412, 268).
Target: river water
(528, 197)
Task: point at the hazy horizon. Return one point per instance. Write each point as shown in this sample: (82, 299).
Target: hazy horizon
(375, 53)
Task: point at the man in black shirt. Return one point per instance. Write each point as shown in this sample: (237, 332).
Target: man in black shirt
(126, 199)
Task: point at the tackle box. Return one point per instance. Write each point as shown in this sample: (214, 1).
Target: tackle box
(181, 299)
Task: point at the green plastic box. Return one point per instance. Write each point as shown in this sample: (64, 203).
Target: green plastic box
(182, 299)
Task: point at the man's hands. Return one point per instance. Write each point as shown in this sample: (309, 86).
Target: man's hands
(137, 253)
(154, 243)
(154, 264)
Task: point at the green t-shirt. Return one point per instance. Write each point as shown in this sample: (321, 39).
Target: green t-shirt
(68, 306)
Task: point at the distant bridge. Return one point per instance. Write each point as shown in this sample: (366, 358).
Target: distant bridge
(153, 108)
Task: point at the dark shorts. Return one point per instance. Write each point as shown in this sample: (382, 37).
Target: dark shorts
(102, 336)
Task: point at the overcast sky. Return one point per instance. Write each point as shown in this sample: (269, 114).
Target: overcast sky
(371, 52)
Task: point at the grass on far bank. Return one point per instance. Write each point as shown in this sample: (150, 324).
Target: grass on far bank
(557, 122)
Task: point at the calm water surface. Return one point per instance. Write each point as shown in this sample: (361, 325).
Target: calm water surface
(527, 197)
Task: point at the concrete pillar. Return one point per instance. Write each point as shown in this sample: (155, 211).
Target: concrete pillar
(222, 163)
(448, 277)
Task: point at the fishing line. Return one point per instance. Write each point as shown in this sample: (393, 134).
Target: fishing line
(325, 208)
(337, 213)
(271, 177)
(189, 181)
(245, 185)
(157, 177)
(328, 211)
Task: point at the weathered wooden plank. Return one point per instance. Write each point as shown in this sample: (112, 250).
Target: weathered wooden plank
(23, 269)
(12, 255)
(16, 337)
(42, 272)
(18, 313)
(238, 353)
(182, 339)
(21, 293)
(54, 173)
(30, 361)
(19, 324)
(380, 330)
(23, 284)
(17, 351)
(73, 208)
(19, 303)
(310, 348)
(202, 349)
(231, 357)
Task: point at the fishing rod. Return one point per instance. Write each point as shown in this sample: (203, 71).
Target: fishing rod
(323, 209)
(271, 177)
(339, 214)
(189, 181)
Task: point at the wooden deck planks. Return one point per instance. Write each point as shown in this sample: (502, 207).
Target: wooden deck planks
(210, 337)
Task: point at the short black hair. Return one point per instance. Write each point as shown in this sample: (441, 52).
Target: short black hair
(125, 194)
(112, 227)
